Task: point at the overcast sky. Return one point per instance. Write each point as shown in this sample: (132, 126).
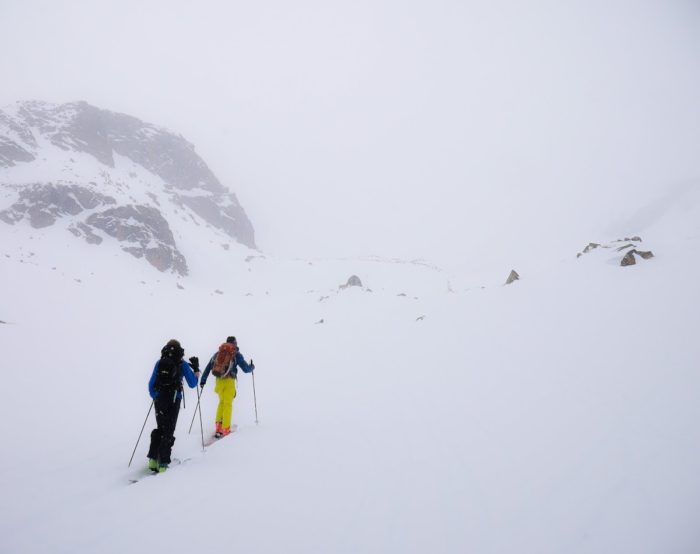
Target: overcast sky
(443, 129)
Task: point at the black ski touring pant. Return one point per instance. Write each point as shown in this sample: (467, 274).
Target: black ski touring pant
(162, 438)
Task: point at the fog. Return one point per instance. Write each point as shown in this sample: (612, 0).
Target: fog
(463, 132)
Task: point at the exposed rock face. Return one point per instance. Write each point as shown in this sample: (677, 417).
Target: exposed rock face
(17, 142)
(97, 195)
(83, 230)
(43, 203)
(145, 232)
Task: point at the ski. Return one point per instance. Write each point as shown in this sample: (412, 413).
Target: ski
(149, 472)
(211, 440)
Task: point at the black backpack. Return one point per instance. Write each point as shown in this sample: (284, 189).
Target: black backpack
(169, 372)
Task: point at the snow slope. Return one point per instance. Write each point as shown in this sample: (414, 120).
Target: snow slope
(556, 414)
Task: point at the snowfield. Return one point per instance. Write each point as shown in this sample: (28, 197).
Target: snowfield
(558, 414)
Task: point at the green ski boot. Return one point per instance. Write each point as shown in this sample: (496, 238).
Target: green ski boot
(152, 464)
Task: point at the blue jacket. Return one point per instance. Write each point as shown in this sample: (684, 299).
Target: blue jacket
(240, 362)
(187, 373)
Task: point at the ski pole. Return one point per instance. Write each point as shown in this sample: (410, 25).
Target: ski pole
(255, 400)
(201, 425)
(195, 410)
(141, 433)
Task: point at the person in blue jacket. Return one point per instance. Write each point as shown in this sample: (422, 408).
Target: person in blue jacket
(165, 387)
(224, 364)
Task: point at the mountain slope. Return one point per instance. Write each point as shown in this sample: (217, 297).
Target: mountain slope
(108, 176)
(556, 414)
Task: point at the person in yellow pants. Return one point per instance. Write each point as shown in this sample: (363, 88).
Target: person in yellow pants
(226, 389)
(224, 366)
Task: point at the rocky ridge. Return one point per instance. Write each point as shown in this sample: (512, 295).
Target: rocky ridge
(627, 246)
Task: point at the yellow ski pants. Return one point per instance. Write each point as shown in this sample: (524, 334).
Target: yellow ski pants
(226, 389)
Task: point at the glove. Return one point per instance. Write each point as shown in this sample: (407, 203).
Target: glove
(202, 383)
(194, 362)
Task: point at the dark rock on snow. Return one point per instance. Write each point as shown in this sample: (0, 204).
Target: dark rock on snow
(629, 258)
(353, 281)
(513, 276)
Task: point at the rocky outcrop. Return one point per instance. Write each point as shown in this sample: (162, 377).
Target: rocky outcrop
(144, 232)
(85, 231)
(43, 203)
(513, 276)
(353, 281)
(17, 142)
(223, 212)
(142, 229)
(629, 258)
(629, 248)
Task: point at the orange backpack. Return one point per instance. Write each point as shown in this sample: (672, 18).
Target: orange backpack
(225, 360)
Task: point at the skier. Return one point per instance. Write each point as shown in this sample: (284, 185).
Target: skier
(223, 365)
(165, 387)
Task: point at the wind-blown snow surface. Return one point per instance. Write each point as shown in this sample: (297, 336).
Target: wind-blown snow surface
(557, 414)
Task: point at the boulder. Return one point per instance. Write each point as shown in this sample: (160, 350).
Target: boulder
(628, 259)
(512, 277)
(353, 281)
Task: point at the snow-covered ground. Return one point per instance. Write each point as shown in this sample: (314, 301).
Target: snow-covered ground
(558, 414)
